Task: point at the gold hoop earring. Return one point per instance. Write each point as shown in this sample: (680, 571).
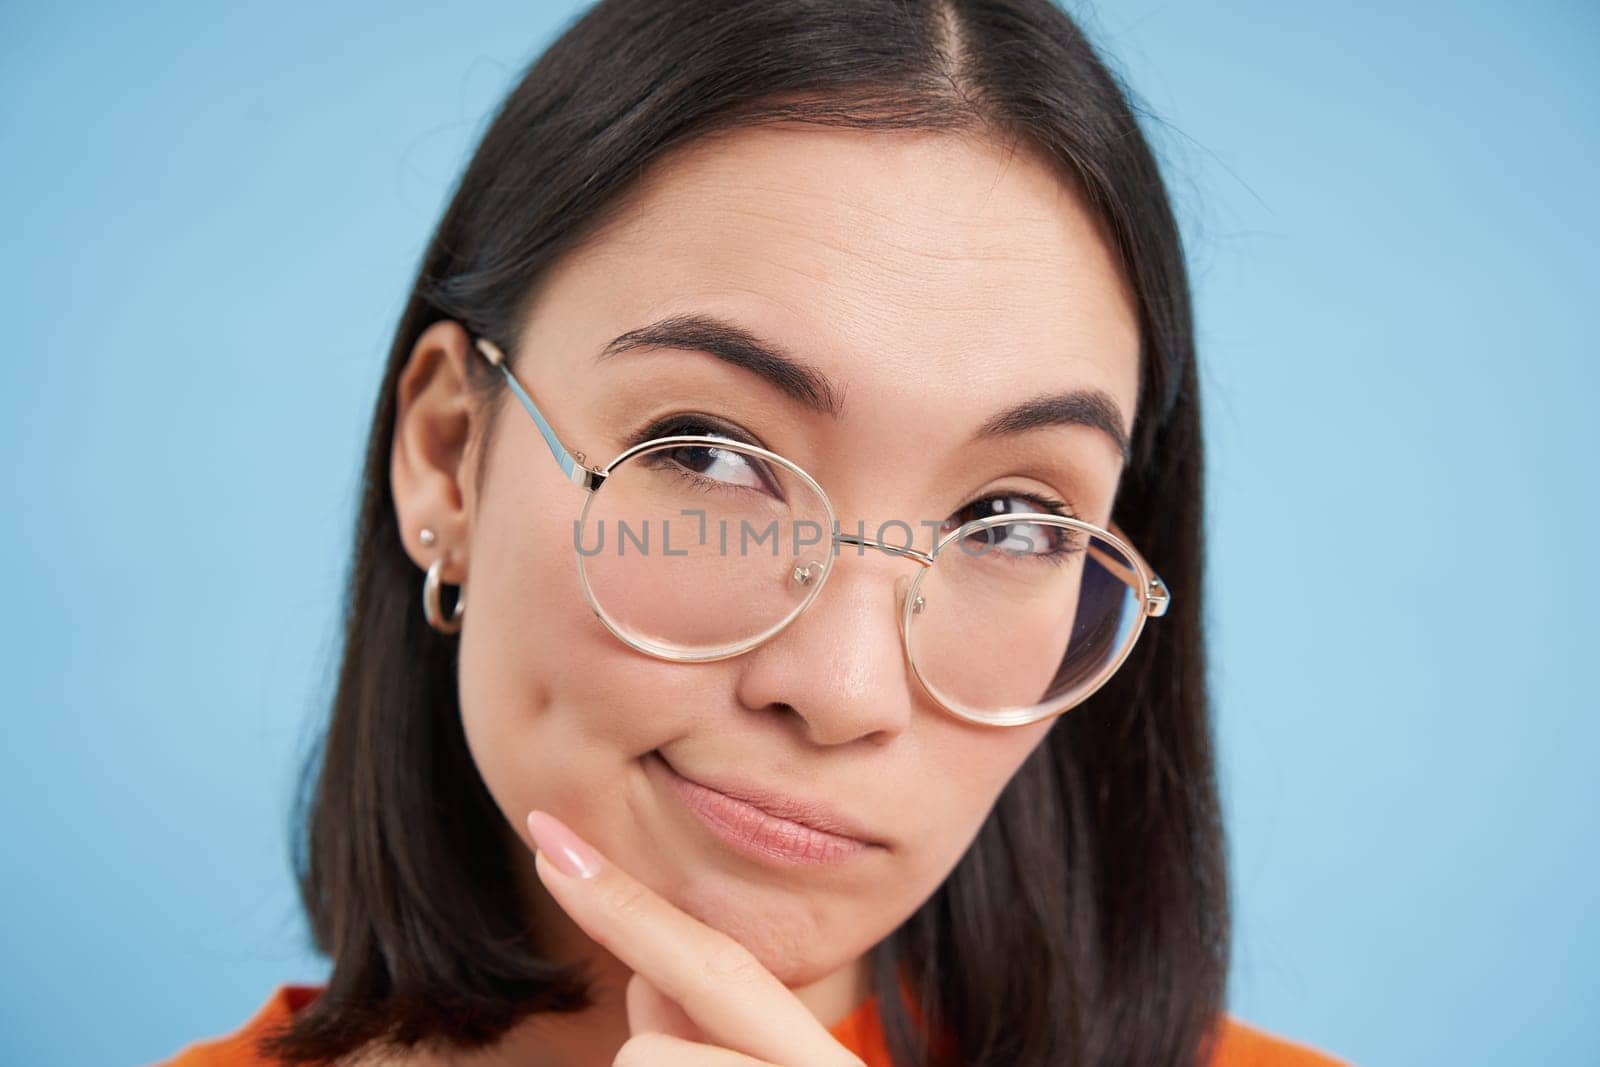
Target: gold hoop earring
(430, 602)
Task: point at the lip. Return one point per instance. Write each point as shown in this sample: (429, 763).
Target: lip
(786, 830)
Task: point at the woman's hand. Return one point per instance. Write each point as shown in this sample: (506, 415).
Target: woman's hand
(697, 998)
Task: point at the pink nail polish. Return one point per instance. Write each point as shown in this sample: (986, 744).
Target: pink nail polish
(566, 849)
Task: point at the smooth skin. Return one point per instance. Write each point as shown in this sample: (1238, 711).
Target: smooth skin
(934, 279)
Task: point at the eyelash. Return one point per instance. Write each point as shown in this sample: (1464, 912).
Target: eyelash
(676, 425)
(703, 425)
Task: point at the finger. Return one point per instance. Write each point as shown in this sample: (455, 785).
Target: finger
(649, 1011)
(664, 1050)
(721, 986)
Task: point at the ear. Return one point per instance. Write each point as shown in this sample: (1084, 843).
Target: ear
(431, 460)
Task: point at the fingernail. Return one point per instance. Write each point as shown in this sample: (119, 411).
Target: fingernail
(566, 849)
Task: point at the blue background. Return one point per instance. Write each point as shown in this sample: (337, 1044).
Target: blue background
(210, 220)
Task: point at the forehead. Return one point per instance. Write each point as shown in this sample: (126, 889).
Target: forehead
(950, 270)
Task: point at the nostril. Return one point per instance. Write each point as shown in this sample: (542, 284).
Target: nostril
(786, 710)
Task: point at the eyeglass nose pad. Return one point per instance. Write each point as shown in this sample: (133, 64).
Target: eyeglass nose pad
(902, 585)
(805, 574)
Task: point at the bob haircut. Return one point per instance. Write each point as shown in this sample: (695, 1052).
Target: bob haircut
(1088, 922)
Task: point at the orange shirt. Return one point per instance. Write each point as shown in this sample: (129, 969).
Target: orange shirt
(1242, 1045)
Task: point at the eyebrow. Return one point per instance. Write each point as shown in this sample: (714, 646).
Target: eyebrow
(737, 346)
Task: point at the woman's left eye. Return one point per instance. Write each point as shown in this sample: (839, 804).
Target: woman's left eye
(1020, 538)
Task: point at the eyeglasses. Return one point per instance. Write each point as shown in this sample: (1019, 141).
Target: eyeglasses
(698, 547)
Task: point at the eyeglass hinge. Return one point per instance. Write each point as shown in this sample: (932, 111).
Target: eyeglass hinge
(1156, 605)
(586, 477)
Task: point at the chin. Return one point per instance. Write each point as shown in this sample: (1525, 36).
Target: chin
(787, 938)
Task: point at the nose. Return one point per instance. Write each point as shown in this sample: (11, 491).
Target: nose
(840, 666)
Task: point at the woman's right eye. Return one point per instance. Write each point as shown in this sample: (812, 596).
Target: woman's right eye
(718, 465)
(724, 466)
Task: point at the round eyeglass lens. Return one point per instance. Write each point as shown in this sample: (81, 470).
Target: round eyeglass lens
(1022, 617)
(697, 548)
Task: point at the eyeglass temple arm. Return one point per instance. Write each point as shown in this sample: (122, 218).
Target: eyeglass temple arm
(571, 463)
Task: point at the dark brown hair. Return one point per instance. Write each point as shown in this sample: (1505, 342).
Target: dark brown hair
(1088, 921)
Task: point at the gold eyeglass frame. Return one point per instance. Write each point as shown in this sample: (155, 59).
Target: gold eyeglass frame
(1153, 593)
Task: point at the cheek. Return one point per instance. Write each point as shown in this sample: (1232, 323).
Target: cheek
(555, 709)
(548, 697)
(964, 771)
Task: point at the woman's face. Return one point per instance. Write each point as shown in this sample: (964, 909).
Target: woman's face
(932, 280)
